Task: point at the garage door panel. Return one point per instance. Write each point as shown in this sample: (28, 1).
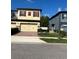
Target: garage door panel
(29, 28)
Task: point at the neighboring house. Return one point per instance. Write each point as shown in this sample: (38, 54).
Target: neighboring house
(26, 19)
(58, 21)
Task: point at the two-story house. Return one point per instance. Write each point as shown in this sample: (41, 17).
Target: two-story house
(26, 19)
(58, 21)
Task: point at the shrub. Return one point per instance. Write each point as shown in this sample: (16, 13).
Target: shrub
(63, 33)
(57, 31)
(40, 30)
(14, 31)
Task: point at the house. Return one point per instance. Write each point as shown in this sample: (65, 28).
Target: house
(58, 21)
(26, 19)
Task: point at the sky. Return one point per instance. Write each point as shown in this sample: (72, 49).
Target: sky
(49, 7)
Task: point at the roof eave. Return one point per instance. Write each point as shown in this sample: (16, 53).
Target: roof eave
(58, 14)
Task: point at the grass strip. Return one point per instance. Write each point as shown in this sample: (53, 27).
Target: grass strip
(54, 40)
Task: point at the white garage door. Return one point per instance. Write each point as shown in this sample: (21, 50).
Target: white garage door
(29, 28)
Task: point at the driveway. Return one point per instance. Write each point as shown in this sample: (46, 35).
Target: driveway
(26, 39)
(38, 51)
(27, 34)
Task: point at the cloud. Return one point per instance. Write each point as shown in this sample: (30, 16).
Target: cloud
(29, 0)
(46, 14)
(59, 9)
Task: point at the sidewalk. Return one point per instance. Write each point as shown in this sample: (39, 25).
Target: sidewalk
(26, 39)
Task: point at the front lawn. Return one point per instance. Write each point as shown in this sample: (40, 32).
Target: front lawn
(46, 34)
(54, 40)
(55, 34)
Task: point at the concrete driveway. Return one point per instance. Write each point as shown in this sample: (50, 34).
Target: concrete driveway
(26, 39)
(38, 51)
(27, 34)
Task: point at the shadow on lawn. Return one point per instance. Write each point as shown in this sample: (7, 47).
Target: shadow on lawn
(14, 31)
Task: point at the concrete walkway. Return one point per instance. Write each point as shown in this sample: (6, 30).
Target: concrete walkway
(26, 39)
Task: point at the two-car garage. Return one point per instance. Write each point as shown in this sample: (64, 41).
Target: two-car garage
(26, 26)
(29, 27)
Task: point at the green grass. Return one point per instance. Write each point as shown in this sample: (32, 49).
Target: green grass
(54, 40)
(48, 34)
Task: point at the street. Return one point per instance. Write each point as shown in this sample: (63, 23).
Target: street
(38, 51)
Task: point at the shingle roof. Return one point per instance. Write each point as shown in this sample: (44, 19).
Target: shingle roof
(13, 10)
(58, 14)
(28, 9)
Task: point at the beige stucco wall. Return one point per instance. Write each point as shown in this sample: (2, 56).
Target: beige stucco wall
(13, 25)
(18, 23)
(28, 17)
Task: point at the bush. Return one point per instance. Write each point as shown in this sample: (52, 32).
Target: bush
(63, 33)
(14, 31)
(57, 31)
(40, 30)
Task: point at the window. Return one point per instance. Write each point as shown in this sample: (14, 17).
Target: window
(22, 13)
(53, 25)
(29, 13)
(35, 14)
(64, 16)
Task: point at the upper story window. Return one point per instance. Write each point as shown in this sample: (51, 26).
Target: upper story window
(64, 16)
(29, 13)
(35, 14)
(22, 13)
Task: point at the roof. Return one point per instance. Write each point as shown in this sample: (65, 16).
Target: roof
(29, 9)
(13, 10)
(58, 14)
(25, 20)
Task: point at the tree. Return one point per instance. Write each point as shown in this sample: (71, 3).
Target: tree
(44, 22)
